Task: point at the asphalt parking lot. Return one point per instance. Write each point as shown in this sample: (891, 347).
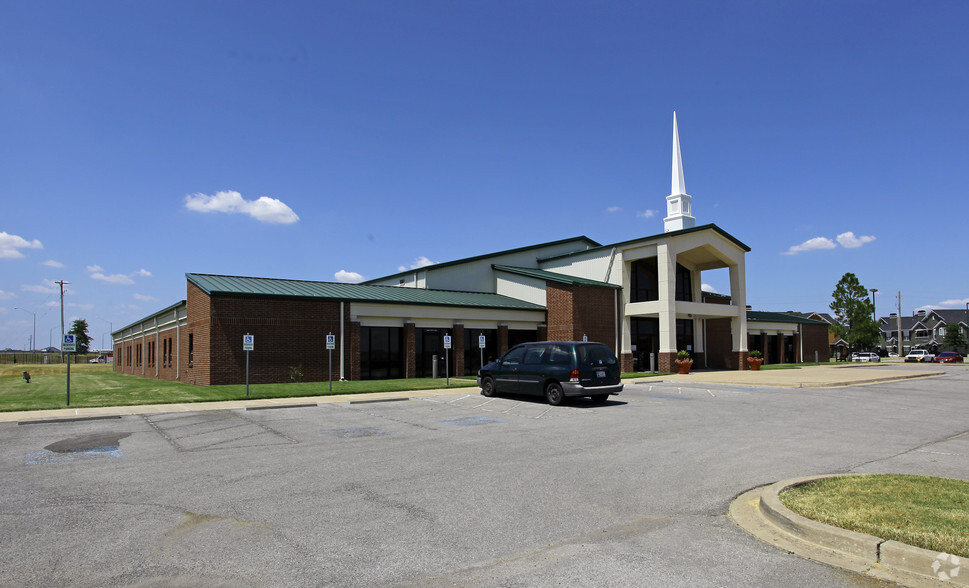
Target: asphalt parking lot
(455, 489)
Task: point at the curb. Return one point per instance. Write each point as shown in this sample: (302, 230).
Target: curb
(761, 513)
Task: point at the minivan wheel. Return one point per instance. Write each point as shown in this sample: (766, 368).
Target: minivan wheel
(487, 387)
(555, 394)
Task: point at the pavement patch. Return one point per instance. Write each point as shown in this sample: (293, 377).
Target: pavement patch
(355, 432)
(471, 421)
(84, 447)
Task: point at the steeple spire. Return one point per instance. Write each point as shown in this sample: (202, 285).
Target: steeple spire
(678, 184)
(678, 208)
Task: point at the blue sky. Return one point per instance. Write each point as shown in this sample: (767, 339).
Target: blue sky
(338, 140)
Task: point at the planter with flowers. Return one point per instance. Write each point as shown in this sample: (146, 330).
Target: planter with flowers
(755, 359)
(683, 361)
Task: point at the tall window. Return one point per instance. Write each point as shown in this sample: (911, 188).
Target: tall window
(684, 284)
(191, 349)
(644, 280)
(381, 355)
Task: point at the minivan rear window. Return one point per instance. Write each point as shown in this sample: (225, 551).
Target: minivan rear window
(595, 355)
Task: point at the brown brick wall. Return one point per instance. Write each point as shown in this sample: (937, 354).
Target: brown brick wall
(574, 311)
(288, 334)
(815, 338)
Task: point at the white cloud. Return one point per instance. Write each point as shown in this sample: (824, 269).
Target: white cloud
(613, 209)
(264, 209)
(418, 263)
(814, 244)
(849, 241)
(348, 277)
(97, 273)
(113, 278)
(708, 288)
(10, 245)
(52, 263)
(145, 298)
(6, 295)
(48, 288)
(646, 214)
(953, 303)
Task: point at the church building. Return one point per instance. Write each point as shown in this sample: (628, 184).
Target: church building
(640, 297)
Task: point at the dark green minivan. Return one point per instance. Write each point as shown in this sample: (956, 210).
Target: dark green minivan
(555, 369)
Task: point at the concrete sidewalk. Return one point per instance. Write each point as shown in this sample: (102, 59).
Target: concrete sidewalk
(822, 376)
(255, 404)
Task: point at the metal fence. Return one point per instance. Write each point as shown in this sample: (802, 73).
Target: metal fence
(41, 358)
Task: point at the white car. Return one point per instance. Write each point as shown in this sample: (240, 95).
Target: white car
(920, 355)
(865, 357)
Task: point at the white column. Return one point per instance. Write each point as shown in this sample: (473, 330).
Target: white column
(738, 297)
(666, 272)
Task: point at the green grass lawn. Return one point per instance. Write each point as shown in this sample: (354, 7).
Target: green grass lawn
(927, 512)
(97, 385)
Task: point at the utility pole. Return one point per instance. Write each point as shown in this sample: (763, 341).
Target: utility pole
(898, 319)
(62, 283)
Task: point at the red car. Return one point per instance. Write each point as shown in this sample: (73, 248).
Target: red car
(948, 357)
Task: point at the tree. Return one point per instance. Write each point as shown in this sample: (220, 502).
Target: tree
(853, 311)
(81, 338)
(954, 339)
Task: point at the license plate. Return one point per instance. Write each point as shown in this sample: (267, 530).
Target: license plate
(600, 374)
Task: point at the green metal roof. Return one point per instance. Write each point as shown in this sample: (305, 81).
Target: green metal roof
(780, 317)
(276, 288)
(552, 276)
(580, 239)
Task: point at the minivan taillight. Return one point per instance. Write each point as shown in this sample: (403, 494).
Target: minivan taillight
(574, 376)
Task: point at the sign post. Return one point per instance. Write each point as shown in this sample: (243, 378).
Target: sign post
(70, 346)
(248, 344)
(481, 346)
(447, 353)
(330, 345)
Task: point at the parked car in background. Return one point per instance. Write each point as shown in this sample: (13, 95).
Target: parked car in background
(919, 355)
(556, 369)
(948, 357)
(98, 359)
(865, 357)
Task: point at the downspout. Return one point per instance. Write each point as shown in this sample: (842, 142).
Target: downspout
(342, 343)
(618, 350)
(156, 347)
(178, 348)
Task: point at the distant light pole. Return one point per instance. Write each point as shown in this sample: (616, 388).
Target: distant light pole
(33, 340)
(111, 326)
(874, 315)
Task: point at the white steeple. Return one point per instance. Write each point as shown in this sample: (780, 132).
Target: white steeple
(678, 209)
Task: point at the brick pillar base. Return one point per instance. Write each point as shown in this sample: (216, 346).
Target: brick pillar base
(543, 332)
(626, 361)
(502, 339)
(410, 350)
(354, 355)
(741, 360)
(667, 362)
(457, 350)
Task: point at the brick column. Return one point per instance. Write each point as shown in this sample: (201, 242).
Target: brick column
(457, 348)
(410, 350)
(543, 332)
(353, 357)
(502, 339)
